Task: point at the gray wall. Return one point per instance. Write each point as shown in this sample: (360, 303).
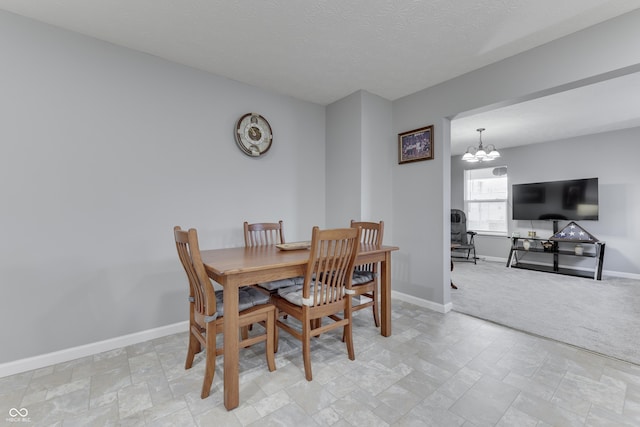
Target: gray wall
(376, 158)
(344, 133)
(358, 166)
(421, 190)
(104, 150)
(610, 156)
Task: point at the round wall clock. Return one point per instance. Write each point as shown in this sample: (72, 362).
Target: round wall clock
(253, 134)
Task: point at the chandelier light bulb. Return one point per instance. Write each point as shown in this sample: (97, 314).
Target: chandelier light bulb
(479, 154)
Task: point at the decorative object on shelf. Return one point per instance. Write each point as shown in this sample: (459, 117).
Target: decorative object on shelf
(573, 233)
(531, 234)
(479, 154)
(547, 245)
(253, 134)
(526, 245)
(579, 250)
(415, 145)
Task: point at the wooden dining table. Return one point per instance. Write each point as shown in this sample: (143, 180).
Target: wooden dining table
(236, 267)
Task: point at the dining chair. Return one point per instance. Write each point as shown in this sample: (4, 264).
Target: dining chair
(323, 293)
(365, 277)
(265, 234)
(206, 314)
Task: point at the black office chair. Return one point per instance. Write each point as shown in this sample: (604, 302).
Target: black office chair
(462, 240)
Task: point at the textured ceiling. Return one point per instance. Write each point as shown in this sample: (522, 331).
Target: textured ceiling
(323, 50)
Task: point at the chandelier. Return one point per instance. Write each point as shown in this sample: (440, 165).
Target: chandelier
(480, 154)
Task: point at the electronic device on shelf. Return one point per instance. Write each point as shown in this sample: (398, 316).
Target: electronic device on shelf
(575, 199)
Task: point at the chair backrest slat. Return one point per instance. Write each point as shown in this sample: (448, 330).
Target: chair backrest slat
(200, 287)
(331, 259)
(372, 233)
(263, 233)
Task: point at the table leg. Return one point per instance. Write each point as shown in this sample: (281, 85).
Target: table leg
(385, 288)
(231, 347)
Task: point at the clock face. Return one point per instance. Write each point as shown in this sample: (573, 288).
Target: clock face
(253, 134)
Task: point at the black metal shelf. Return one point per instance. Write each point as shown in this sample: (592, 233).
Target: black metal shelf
(572, 253)
(550, 269)
(515, 261)
(559, 252)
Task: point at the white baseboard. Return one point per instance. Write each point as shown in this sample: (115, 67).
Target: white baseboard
(621, 274)
(493, 259)
(608, 273)
(66, 355)
(440, 308)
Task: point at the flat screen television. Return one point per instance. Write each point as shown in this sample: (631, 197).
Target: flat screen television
(575, 199)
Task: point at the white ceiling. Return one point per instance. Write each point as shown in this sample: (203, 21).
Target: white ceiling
(609, 105)
(323, 50)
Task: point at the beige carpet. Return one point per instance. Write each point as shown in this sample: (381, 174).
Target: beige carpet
(601, 316)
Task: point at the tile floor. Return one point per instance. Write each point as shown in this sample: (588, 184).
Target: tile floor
(436, 370)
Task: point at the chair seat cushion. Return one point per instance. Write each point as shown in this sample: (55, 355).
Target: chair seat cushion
(283, 283)
(360, 277)
(247, 298)
(293, 294)
(257, 297)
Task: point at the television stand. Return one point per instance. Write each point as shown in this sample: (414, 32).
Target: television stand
(551, 261)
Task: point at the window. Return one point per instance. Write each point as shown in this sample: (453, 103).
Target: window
(485, 200)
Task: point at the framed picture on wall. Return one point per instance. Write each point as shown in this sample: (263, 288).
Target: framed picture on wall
(415, 145)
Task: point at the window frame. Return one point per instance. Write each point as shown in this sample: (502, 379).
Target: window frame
(470, 201)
